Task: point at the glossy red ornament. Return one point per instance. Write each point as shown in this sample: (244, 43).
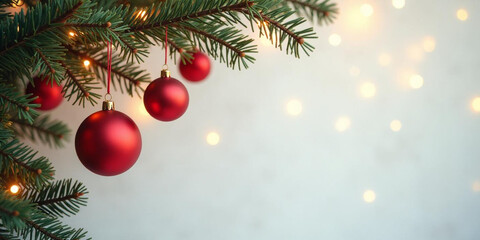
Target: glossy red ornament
(198, 69)
(49, 95)
(166, 98)
(108, 142)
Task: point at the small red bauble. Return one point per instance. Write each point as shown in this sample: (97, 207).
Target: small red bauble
(108, 142)
(49, 95)
(166, 98)
(198, 69)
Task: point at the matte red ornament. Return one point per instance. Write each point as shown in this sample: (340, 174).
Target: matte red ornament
(49, 95)
(198, 69)
(108, 142)
(166, 98)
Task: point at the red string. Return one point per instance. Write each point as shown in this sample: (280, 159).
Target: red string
(166, 44)
(109, 64)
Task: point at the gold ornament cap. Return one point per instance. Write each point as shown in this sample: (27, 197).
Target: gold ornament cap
(108, 105)
(165, 73)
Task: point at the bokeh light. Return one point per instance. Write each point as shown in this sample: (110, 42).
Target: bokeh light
(368, 90)
(384, 59)
(335, 39)
(142, 110)
(213, 138)
(72, 34)
(429, 44)
(398, 4)
(462, 14)
(476, 104)
(369, 196)
(415, 52)
(366, 10)
(416, 81)
(86, 63)
(354, 71)
(396, 125)
(476, 186)
(294, 107)
(342, 124)
(14, 189)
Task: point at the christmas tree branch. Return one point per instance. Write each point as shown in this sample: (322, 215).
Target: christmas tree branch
(131, 75)
(324, 10)
(45, 60)
(51, 132)
(12, 100)
(60, 19)
(42, 230)
(62, 198)
(213, 38)
(235, 7)
(19, 160)
(74, 79)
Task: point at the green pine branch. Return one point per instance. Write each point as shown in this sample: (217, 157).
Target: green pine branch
(13, 210)
(43, 130)
(43, 227)
(79, 83)
(61, 198)
(20, 105)
(125, 76)
(321, 11)
(20, 162)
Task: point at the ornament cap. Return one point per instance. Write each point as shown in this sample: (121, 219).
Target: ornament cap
(165, 73)
(108, 105)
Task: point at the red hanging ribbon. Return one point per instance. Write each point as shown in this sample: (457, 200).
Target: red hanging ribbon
(166, 44)
(109, 65)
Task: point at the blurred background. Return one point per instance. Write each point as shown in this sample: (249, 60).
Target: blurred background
(374, 136)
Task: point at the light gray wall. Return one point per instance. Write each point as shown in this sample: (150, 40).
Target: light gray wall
(275, 176)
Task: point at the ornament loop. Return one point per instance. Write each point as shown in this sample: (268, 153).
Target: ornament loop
(108, 97)
(165, 67)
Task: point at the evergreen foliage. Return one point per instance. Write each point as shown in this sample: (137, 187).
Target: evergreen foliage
(53, 38)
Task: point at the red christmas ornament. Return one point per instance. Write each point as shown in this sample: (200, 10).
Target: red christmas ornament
(198, 69)
(166, 98)
(108, 142)
(49, 95)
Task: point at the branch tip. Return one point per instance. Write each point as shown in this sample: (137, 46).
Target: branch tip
(39, 171)
(108, 24)
(15, 213)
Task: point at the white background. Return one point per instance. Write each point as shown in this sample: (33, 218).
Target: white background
(276, 176)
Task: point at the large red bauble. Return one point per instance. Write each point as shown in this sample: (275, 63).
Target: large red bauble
(108, 142)
(198, 69)
(166, 99)
(49, 95)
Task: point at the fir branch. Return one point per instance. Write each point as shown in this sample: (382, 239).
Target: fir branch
(60, 19)
(12, 100)
(127, 73)
(213, 38)
(235, 7)
(283, 28)
(69, 73)
(45, 60)
(20, 161)
(323, 10)
(42, 230)
(12, 210)
(53, 133)
(62, 198)
(43, 226)
(79, 83)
